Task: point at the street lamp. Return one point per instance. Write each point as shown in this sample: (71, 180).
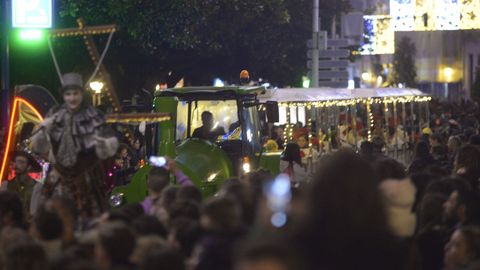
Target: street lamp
(366, 76)
(448, 75)
(97, 87)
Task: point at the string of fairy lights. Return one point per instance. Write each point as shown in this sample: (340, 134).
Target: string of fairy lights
(368, 102)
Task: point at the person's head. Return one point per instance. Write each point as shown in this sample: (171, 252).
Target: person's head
(46, 225)
(475, 140)
(72, 263)
(302, 141)
(207, 119)
(11, 209)
(114, 245)
(378, 144)
(439, 151)
(67, 210)
(435, 139)
(292, 153)
(444, 186)
(454, 143)
(161, 208)
(243, 197)
(279, 132)
(220, 214)
(72, 88)
(137, 143)
(24, 163)
(467, 160)
(430, 211)
(157, 180)
(122, 151)
(25, 255)
(389, 168)
(184, 209)
(163, 258)
(463, 247)
(184, 234)
(358, 214)
(189, 193)
(143, 245)
(422, 150)
(254, 183)
(21, 165)
(148, 225)
(10, 236)
(262, 255)
(73, 98)
(463, 204)
(133, 211)
(366, 149)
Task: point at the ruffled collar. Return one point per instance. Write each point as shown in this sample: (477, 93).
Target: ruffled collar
(84, 124)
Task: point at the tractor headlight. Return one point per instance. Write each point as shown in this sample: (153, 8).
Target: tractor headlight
(116, 200)
(246, 165)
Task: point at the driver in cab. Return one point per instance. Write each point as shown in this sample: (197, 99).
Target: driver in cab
(208, 131)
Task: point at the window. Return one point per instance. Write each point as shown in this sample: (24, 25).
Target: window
(225, 115)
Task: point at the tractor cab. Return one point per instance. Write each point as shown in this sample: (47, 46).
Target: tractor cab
(225, 117)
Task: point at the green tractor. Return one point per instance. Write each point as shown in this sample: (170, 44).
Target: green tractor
(208, 163)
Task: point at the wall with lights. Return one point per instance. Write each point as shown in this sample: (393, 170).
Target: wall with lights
(435, 15)
(418, 16)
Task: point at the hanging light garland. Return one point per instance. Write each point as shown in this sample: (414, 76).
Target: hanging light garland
(346, 102)
(370, 120)
(349, 102)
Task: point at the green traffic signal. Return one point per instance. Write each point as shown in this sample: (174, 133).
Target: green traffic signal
(30, 34)
(29, 37)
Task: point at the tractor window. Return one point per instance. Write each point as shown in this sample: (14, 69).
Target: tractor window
(182, 121)
(252, 126)
(225, 115)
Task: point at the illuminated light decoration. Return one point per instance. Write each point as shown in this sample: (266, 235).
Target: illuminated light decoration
(13, 118)
(309, 126)
(424, 16)
(83, 31)
(370, 120)
(349, 102)
(380, 34)
(469, 14)
(414, 15)
(288, 131)
(402, 15)
(136, 118)
(435, 15)
(448, 14)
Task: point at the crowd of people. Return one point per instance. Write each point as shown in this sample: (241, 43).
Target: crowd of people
(358, 211)
(350, 211)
